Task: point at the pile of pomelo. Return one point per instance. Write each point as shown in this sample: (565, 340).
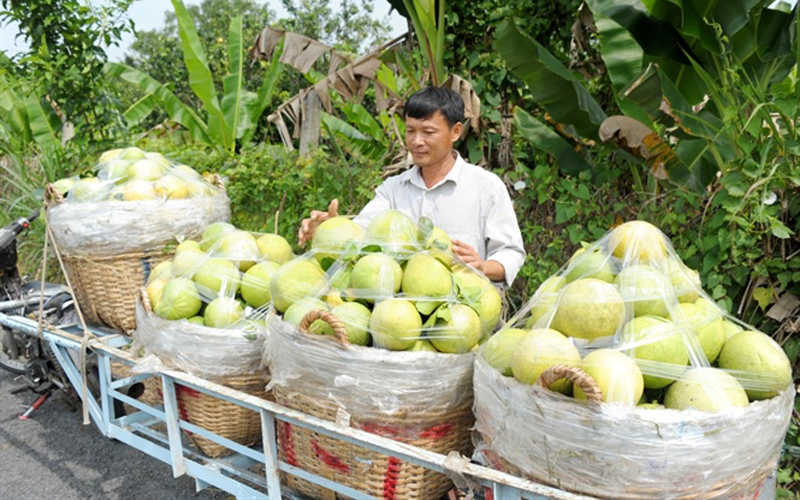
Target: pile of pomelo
(222, 281)
(395, 285)
(131, 174)
(629, 313)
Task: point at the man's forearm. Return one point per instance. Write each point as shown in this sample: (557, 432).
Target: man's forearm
(494, 270)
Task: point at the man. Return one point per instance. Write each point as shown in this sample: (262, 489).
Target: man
(469, 203)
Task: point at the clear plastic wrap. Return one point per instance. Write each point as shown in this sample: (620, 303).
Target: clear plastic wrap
(679, 379)
(136, 202)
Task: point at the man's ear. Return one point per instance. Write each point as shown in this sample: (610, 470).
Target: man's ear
(455, 132)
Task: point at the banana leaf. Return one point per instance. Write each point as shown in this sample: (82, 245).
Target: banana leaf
(544, 138)
(43, 129)
(352, 139)
(235, 105)
(13, 115)
(140, 110)
(549, 82)
(264, 95)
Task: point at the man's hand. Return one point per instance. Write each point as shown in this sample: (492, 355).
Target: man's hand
(309, 226)
(490, 268)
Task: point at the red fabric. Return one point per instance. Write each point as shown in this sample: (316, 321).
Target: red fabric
(286, 443)
(329, 459)
(390, 479)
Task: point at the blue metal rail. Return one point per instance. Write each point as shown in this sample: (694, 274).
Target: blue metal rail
(234, 474)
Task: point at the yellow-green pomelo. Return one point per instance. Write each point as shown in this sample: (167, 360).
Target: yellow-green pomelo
(199, 187)
(171, 187)
(154, 289)
(197, 320)
(393, 232)
(423, 345)
(706, 323)
(356, 321)
(145, 170)
(730, 328)
(589, 309)
(440, 246)
(538, 350)
(295, 280)
(456, 335)
(158, 158)
(240, 248)
(685, 281)
(500, 348)
(589, 264)
(255, 283)
(661, 348)
(217, 277)
(760, 364)
(425, 276)
(223, 312)
(619, 378)
(132, 153)
(138, 190)
(88, 189)
(163, 270)
(275, 248)
(185, 172)
(395, 324)
(111, 154)
(187, 245)
(296, 312)
(179, 299)
(705, 389)
(488, 304)
(64, 185)
(186, 262)
(638, 242)
(333, 236)
(375, 276)
(213, 233)
(646, 291)
(115, 171)
(334, 298)
(544, 301)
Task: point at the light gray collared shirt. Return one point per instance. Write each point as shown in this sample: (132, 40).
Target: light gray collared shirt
(470, 204)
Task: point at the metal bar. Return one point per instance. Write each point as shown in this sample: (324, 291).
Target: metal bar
(75, 379)
(173, 430)
(106, 398)
(270, 454)
(326, 483)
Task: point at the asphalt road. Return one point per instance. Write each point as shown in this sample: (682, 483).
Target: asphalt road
(54, 455)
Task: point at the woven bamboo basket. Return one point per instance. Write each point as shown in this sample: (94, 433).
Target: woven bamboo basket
(106, 287)
(152, 386)
(736, 487)
(365, 470)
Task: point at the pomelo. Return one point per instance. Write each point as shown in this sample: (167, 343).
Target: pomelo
(145, 170)
(589, 264)
(295, 280)
(154, 290)
(375, 276)
(538, 350)
(685, 281)
(760, 364)
(705, 389)
(179, 299)
(424, 276)
(638, 242)
(544, 301)
(356, 321)
(333, 236)
(255, 283)
(646, 291)
(393, 232)
(163, 270)
(275, 248)
(217, 277)
(395, 324)
(213, 233)
(456, 335)
(138, 190)
(240, 248)
(619, 378)
(423, 345)
(589, 309)
(662, 354)
(440, 246)
(223, 312)
(171, 187)
(706, 323)
(186, 262)
(500, 348)
(489, 304)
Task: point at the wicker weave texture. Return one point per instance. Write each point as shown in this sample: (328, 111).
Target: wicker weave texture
(367, 471)
(225, 419)
(106, 288)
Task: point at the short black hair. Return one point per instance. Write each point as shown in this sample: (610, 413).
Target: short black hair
(426, 102)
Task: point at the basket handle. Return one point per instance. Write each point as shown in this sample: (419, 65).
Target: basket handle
(52, 196)
(574, 375)
(218, 181)
(336, 324)
(145, 300)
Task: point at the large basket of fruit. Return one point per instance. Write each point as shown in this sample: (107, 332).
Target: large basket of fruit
(203, 313)
(377, 333)
(675, 398)
(113, 228)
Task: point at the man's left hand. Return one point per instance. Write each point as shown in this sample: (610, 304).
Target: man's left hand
(468, 255)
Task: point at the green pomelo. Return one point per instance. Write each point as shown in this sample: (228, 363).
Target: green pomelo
(185, 172)
(154, 290)
(685, 281)
(171, 187)
(160, 159)
(187, 262)
(356, 321)
(295, 280)
(223, 312)
(255, 283)
(426, 277)
(179, 299)
(138, 190)
(395, 324)
(500, 348)
(393, 232)
(89, 189)
(638, 242)
(333, 236)
(617, 375)
(663, 349)
(730, 328)
(130, 154)
(589, 309)
(64, 185)
(488, 304)
(705, 389)
(197, 320)
(163, 270)
(296, 312)
(761, 365)
(540, 349)
(457, 335)
(645, 291)
(594, 264)
(375, 277)
(544, 301)
(188, 245)
(111, 154)
(440, 246)
(213, 233)
(274, 248)
(423, 345)
(706, 323)
(240, 248)
(217, 277)
(145, 170)
(115, 171)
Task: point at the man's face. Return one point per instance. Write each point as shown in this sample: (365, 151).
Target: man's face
(430, 140)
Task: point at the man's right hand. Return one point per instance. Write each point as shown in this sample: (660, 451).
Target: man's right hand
(309, 226)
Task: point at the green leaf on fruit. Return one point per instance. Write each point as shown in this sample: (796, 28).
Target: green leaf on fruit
(250, 336)
(425, 225)
(427, 308)
(327, 262)
(371, 249)
(763, 296)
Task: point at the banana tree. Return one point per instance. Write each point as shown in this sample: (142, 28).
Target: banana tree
(227, 121)
(670, 63)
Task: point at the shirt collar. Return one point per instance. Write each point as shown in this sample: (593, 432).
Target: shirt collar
(414, 174)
